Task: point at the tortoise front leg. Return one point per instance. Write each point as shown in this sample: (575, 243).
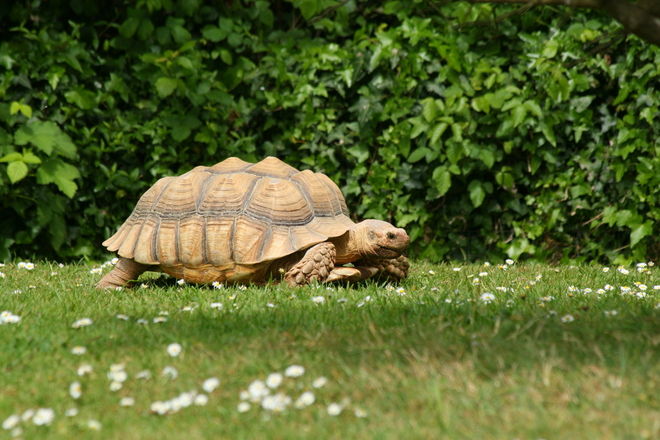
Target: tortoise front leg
(124, 271)
(315, 265)
(394, 269)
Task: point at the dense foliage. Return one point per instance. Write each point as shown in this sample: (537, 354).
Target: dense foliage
(534, 136)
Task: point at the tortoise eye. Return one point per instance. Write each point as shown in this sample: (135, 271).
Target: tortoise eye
(391, 235)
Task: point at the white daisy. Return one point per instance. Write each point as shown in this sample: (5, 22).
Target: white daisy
(94, 425)
(216, 305)
(243, 407)
(201, 399)
(43, 416)
(487, 297)
(211, 384)
(274, 380)
(84, 322)
(79, 350)
(71, 412)
(305, 399)
(127, 401)
(567, 318)
(75, 390)
(334, 409)
(174, 349)
(294, 371)
(144, 374)
(318, 299)
(11, 422)
(319, 382)
(170, 372)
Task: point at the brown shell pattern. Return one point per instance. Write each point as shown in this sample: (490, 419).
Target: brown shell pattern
(233, 212)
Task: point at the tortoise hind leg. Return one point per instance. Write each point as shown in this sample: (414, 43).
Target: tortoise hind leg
(315, 265)
(124, 271)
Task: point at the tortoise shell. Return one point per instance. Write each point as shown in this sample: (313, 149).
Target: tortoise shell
(232, 214)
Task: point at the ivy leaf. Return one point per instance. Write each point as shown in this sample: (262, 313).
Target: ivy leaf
(640, 231)
(61, 174)
(429, 110)
(418, 154)
(477, 193)
(442, 179)
(129, 27)
(308, 8)
(16, 170)
(214, 34)
(11, 157)
(165, 86)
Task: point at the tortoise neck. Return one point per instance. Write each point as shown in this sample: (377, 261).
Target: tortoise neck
(347, 247)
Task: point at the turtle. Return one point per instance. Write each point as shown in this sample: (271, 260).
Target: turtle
(248, 223)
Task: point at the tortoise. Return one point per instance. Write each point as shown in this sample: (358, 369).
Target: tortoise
(238, 222)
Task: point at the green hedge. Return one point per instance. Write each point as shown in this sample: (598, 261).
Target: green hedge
(534, 136)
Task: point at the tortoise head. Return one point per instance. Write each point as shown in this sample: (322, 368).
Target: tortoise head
(379, 239)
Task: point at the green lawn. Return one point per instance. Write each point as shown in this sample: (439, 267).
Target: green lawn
(544, 358)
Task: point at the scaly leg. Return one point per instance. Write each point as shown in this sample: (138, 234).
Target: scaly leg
(124, 271)
(315, 265)
(394, 269)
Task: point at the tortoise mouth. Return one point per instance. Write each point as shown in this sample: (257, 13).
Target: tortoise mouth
(388, 252)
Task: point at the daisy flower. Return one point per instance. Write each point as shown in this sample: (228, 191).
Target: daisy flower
(400, 291)
(606, 269)
(487, 297)
(217, 285)
(201, 399)
(170, 372)
(567, 318)
(116, 386)
(144, 374)
(216, 305)
(174, 349)
(274, 380)
(71, 412)
(609, 313)
(159, 319)
(318, 299)
(75, 390)
(79, 350)
(11, 422)
(305, 399)
(319, 382)
(181, 282)
(211, 384)
(159, 407)
(258, 390)
(294, 371)
(96, 270)
(456, 269)
(123, 317)
(243, 407)
(510, 262)
(334, 409)
(127, 401)
(84, 322)
(94, 425)
(43, 416)
(117, 376)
